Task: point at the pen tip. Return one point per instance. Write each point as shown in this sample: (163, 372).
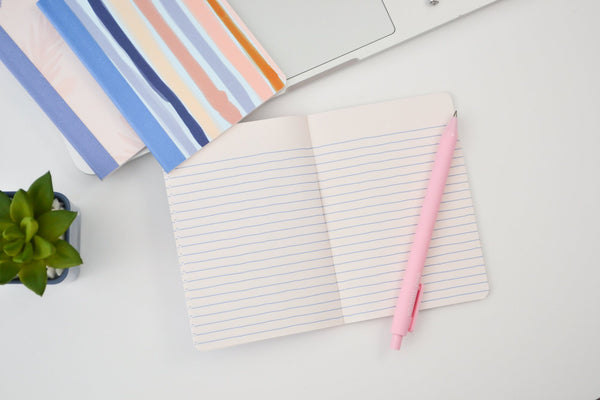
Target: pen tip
(455, 113)
(396, 342)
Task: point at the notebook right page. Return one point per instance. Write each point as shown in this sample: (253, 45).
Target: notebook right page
(374, 164)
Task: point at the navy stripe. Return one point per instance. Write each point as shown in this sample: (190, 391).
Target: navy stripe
(146, 70)
(154, 101)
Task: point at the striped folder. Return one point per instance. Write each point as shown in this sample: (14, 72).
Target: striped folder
(42, 62)
(181, 72)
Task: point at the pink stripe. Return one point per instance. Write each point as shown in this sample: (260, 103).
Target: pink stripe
(251, 37)
(217, 97)
(234, 54)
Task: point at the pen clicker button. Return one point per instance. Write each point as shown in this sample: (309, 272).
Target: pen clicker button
(416, 307)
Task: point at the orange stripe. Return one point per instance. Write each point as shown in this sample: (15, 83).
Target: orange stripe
(229, 47)
(265, 54)
(266, 69)
(216, 97)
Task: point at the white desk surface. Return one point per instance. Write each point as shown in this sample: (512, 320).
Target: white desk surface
(524, 76)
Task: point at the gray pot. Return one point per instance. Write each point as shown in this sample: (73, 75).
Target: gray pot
(71, 236)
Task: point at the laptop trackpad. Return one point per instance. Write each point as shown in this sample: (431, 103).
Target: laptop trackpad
(303, 34)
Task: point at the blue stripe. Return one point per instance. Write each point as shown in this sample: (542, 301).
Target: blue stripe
(146, 70)
(154, 101)
(73, 129)
(126, 100)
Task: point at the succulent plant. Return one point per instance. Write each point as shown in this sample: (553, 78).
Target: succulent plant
(31, 235)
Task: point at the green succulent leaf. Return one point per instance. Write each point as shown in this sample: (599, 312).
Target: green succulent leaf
(12, 233)
(4, 206)
(8, 271)
(65, 256)
(25, 255)
(5, 223)
(33, 275)
(13, 248)
(42, 194)
(42, 248)
(29, 227)
(54, 223)
(21, 206)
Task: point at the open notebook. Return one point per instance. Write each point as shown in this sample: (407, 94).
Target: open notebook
(299, 223)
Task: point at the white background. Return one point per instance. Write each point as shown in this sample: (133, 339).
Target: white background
(525, 79)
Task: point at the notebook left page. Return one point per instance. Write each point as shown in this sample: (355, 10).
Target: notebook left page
(251, 237)
(46, 50)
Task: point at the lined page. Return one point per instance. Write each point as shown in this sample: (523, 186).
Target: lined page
(374, 164)
(251, 237)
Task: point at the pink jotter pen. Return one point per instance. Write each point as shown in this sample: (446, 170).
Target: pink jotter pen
(411, 290)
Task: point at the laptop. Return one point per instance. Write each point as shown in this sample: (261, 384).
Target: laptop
(307, 38)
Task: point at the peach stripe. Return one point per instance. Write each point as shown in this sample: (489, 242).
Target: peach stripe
(234, 54)
(129, 16)
(270, 74)
(216, 97)
(236, 18)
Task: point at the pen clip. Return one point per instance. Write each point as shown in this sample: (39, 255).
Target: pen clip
(416, 307)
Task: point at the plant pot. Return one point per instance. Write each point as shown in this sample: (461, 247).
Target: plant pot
(71, 236)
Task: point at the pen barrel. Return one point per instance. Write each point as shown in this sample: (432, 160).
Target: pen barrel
(420, 246)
